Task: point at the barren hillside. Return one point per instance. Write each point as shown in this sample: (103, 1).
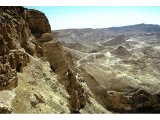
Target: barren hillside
(122, 66)
(108, 70)
(36, 74)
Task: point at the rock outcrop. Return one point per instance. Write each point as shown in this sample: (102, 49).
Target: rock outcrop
(15, 47)
(59, 64)
(37, 22)
(46, 37)
(53, 51)
(36, 74)
(47, 46)
(14, 35)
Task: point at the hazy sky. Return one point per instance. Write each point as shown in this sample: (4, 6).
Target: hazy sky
(64, 17)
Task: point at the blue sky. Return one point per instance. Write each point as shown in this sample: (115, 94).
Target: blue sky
(64, 17)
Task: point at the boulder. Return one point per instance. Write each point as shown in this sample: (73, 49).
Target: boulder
(45, 37)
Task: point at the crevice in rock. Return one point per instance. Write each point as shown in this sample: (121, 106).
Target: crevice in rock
(19, 67)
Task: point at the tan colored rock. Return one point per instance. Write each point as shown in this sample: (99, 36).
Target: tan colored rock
(61, 65)
(6, 98)
(69, 59)
(17, 44)
(13, 34)
(3, 47)
(55, 56)
(45, 37)
(39, 51)
(38, 23)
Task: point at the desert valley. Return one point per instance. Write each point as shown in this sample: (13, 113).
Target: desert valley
(104, 70)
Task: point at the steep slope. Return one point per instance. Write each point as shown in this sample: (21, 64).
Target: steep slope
(36, 74)
(124, 74)
(125, 84)
(39, 91)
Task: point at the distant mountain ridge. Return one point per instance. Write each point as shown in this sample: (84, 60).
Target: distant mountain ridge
(135, 28)
(100, 34)
(142, 27)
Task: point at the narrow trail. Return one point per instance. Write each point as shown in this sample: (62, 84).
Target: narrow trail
(89, 54)
(98, 44)
(78, 62)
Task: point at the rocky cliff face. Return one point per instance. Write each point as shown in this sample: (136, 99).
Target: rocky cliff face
(38, 23)
(59, 64)
(15, 45)
(53, 51)
(28, 83)
(14, 36)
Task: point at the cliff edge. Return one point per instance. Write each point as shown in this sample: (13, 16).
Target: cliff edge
(36, 74)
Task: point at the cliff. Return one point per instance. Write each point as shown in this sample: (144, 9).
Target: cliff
(36, 74)
(15, 40)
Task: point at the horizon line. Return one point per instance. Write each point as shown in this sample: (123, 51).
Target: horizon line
(107, 27)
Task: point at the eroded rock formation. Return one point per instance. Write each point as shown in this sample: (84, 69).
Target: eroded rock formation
(14, 35)
(27, 33)
(59, 64)
(38, 23)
